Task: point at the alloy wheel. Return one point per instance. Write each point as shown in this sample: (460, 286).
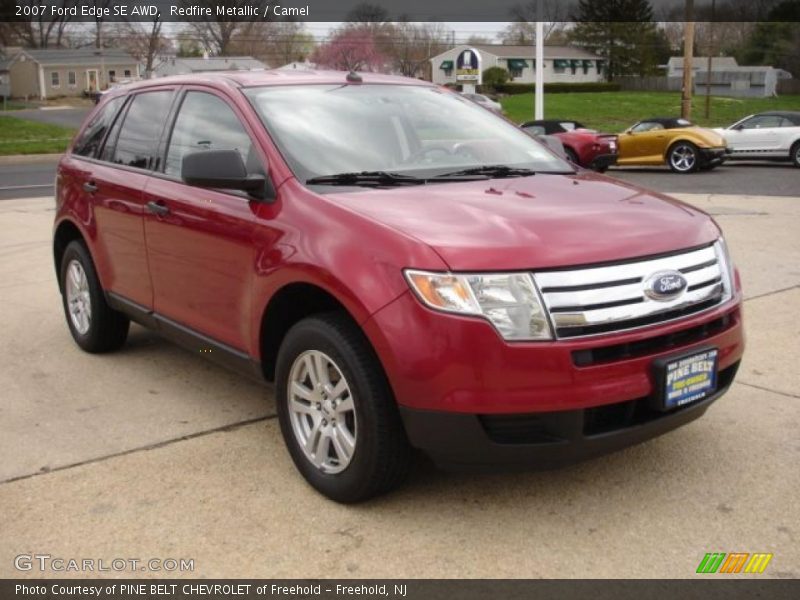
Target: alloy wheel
(79, 301)
(322, 412)
(683, 158)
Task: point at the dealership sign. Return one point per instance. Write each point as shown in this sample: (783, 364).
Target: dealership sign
(468, 67)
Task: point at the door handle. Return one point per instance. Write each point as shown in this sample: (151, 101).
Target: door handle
(90, 187)
(157, 208)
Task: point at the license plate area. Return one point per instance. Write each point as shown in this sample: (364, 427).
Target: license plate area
(686, 378)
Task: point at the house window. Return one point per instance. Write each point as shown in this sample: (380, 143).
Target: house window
(71, 79)
(515, 66)
(112, 76)
(54, 79)
(447, 67)
(560, 66)
(127, 72)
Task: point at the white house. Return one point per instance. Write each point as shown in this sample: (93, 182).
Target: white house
(561, 63)
(728, 78)
(175, 65)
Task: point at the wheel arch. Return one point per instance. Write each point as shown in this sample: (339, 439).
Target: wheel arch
(286, 307)
(65, 233)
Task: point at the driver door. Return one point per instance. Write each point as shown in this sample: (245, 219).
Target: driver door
(756, 135)
(199, 240)
(643, 147)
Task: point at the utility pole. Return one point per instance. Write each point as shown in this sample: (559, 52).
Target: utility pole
(688, 60)
(710, 58)
(538, 101)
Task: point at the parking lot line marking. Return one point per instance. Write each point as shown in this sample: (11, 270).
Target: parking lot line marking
(25, 187)
(155, 446)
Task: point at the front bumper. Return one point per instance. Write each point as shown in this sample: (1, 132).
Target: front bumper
(545, 440)
(460, 386)
(714, 156)
(603, 161)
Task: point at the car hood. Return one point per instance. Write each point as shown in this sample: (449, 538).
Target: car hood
(535, 222)
(712, 137)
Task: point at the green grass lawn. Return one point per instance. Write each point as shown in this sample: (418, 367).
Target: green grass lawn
(18, 136)
(615, 111)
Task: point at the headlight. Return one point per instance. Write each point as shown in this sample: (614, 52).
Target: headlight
(509, 301)
(726, 266)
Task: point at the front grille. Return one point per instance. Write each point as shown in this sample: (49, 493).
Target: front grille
(654, 345)
(604, 299)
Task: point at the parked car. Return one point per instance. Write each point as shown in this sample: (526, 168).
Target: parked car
(484, 101)
(766, 136)
(680, 144)
(584, 147)
(403, 285)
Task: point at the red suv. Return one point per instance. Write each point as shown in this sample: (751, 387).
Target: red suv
(408, 269)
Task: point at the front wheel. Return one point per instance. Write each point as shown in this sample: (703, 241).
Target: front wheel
(336, 410)
(795, 153)
(683, 157)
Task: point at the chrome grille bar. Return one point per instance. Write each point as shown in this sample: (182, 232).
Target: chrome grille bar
(593, 300)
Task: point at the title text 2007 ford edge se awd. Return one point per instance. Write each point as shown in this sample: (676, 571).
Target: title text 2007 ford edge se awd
(409, 269)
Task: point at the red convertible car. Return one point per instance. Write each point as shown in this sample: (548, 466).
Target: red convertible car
(583, 146)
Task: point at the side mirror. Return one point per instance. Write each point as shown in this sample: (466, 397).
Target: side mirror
(223, 169)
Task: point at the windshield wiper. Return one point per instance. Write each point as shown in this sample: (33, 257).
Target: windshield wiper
(376, 178)
(491, 171)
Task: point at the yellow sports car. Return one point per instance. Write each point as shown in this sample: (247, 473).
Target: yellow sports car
(677, 142)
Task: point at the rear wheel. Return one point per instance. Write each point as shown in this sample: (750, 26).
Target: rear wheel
(94, 325)
(683, 157)
(795, 154)
(337, 413)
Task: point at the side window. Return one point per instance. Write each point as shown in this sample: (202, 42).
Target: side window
(89, 141)
(762, 122)
(138, 138)
(205, 122)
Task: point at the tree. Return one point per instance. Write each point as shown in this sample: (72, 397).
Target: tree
(622, 32)
(144, 41)
(776, 42)
(216, 34)
(553, 15)
(274, 42)
(43, 31)
(478, 40)
(350, 49)
(494, 77)
(413, 44)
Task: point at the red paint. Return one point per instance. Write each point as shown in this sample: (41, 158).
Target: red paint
(216, 260)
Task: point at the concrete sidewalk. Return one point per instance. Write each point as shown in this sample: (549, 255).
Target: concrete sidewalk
(153, 452)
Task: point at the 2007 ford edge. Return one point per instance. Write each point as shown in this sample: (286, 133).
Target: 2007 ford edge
(409, 269)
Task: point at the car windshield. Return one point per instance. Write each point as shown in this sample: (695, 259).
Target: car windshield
(421, 131)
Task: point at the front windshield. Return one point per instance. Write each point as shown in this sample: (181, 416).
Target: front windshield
(414, 130)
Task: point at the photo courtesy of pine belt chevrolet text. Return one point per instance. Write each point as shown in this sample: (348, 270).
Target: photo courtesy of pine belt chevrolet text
(408, 270)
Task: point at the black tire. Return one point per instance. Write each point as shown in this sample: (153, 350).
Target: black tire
(571, 156)
(382, 456)
(795, 154)
(601, 169)
(682, 150)
(108, 329)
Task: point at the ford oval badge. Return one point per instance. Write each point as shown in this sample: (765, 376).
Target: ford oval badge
(665, 285)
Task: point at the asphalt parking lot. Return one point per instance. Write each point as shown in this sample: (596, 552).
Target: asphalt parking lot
(154, 452)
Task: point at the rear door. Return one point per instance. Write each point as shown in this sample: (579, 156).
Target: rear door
(116, 184)
(200, 240)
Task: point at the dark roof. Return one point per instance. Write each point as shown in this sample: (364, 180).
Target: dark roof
(792, 115)
(668, 122)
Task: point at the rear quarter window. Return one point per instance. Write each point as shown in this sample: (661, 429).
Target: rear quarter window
(91, 138)
(137, 143)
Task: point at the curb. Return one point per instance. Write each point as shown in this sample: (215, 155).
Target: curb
(16, 159)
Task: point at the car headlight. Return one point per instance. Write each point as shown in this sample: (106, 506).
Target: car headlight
(726, 266)
(509, 301)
